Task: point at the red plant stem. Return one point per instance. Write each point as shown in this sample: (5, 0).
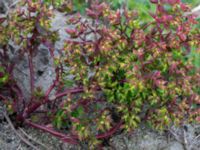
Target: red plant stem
(72, 139)
(110, 132)
(19, 99)
(64, 137)
(36, 105)
(50, 46)
(72, 91)
(31, 108)
(11, 68)
(69, 91)
(3, 98)
(54, 83)
(20, 93)
(85, 103)
(147, 25)
(72, 119)
(50, 88)
(30, 59)
(79, 42)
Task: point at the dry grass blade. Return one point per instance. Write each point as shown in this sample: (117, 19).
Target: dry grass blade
(18, 134)
(34, 140)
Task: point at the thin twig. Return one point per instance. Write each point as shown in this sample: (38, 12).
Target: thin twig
(196, 138)
(18, 134)
(17, 68)
(31, 73)
(9, 7)
(175, 136)
(19, 147)
(185, 141)
(33, 140)
(194, 141)
(14, 3)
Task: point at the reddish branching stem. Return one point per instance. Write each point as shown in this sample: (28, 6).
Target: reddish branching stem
(31, 70)
(110, 132)
(3, 98)
(63, 137)
(68, 91)
(35, 105)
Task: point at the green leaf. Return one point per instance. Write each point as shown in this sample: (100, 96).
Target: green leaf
(78, 112)
(5, 77)
(68, 83)
(58, 121)
(79, 127)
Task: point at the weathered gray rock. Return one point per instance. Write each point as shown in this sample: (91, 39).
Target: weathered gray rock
(5, 5)
(59, 24)
(43, 64)
(174, 146)
(43, 71)
(145, 139)
(139, 140)
(8, 139)
(3, 8)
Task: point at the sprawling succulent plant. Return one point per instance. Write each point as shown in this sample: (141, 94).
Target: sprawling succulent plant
(125, 71)
(143, 70)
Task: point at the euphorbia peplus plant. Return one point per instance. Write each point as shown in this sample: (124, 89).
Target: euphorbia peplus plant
(124, 72)
(143, 72)
(27, 26)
